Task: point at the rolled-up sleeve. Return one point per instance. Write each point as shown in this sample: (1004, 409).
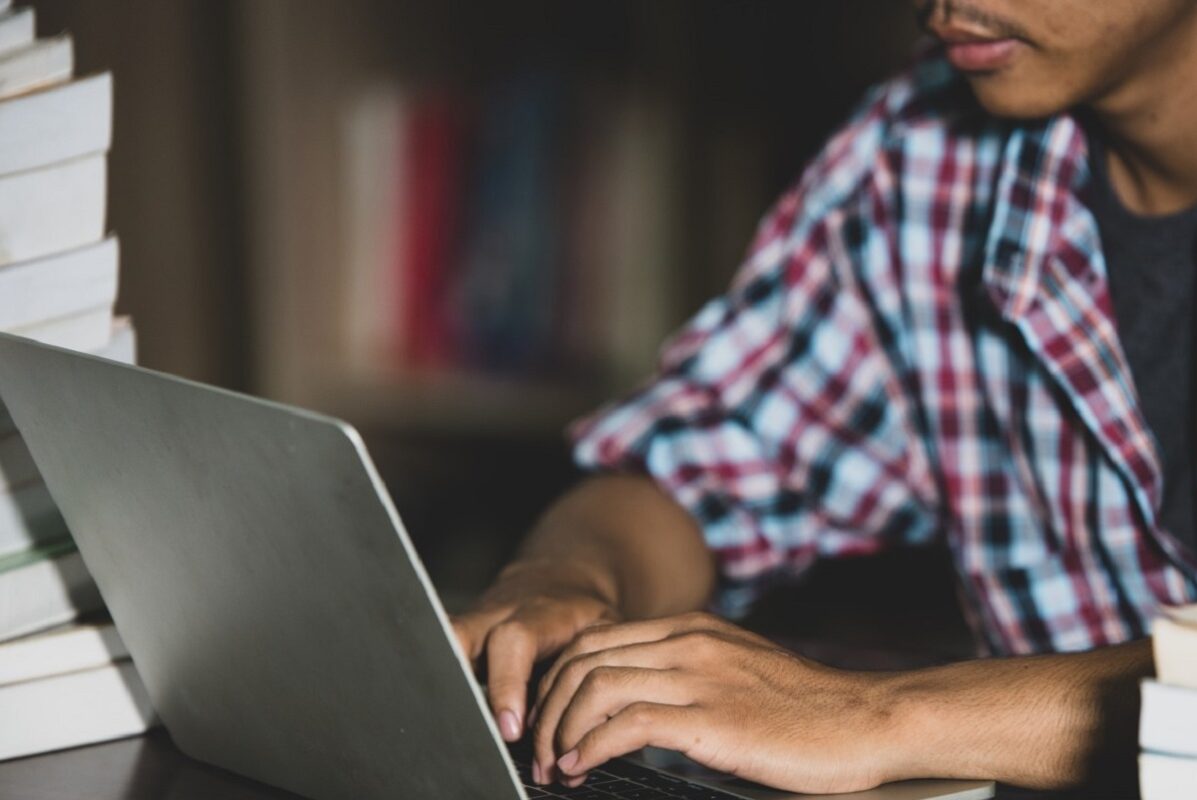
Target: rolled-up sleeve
(775, 416)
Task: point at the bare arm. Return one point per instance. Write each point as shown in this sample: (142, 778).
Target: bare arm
(1045, 721)
(740, 704)
(645, 550)
(614, 548)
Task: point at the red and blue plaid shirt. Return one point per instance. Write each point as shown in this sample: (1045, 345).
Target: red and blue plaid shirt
(919, 348)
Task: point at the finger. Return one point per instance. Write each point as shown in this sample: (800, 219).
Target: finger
(636, 726)
(472, 627)
(607, 691)
(512, 648)
(605, 637)
(649, 655)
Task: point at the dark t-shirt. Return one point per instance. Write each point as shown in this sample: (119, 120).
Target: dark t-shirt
(1152, 265)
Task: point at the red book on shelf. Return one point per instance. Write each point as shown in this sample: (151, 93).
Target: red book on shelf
(435, 152)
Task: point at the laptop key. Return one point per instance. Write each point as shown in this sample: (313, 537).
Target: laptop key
(578, 791)
(598, 777)
(618, 786)
(659, 780)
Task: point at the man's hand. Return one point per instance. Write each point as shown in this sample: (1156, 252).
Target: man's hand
(614, 547)
(724, 697)
(741, 705)
(532, 611)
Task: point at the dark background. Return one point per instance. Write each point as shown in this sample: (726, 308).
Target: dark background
(221, 190)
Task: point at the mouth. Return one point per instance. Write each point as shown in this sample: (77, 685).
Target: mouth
(974, 50)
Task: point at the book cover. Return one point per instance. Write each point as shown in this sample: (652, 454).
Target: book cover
(78, 708)
(59, 651)
(1174, 642)
(60, 123)
(44, 587)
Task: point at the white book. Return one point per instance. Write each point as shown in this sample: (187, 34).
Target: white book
(1164, 777)
(37, 592)
(1168, 720)
(1185, 615)
(57, 286)
(29, 518)
(95, 705)
(55, 208)
(36, 66)
(58, 651)
(88, 332)
(16, 28)
(1174, 642)
(60, 123)
(375, 133)
(122, 342)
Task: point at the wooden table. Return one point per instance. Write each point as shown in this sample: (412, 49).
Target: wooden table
(150, 767)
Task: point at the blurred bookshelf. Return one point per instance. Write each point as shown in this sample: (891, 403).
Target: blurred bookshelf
(609, 157)
(486, 218)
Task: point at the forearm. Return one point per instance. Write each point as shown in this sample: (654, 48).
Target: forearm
(634, 545)
(1046, 721)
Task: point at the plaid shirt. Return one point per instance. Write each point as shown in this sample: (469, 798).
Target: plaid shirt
(920, 347)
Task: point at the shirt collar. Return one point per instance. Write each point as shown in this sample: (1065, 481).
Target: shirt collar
(1045, 272)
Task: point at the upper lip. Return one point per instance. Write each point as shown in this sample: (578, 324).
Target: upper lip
(956, 34)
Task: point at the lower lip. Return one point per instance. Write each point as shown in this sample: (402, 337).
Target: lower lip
(983, 56)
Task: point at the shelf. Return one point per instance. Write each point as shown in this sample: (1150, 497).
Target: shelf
(676, 143)
(454, 402)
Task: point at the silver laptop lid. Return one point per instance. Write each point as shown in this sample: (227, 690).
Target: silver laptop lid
(262, 580)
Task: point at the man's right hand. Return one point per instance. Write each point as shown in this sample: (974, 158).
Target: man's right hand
(534, 609)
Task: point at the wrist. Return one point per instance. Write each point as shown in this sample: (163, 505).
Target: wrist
(940, 717)
(564, 574)
(914, 750)
(895, 722)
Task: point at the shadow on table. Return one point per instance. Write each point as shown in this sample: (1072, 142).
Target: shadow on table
(894, 611)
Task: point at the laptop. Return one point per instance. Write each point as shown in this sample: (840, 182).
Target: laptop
(264, 584)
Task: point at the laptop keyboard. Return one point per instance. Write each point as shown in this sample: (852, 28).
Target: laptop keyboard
(620, 780)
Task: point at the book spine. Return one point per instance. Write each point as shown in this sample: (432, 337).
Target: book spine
(1175, 648)
(28, 518)
(58, 286)
(52, 209)
(88, 332)
(435, 156)
(1166, 777)
(63, 123)
(41, 65)
(1168, 720)
(59, 652)
(71, 710)
(45, 593)
(16, 28)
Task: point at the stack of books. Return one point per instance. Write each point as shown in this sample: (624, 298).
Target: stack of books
(1168, 722)
(58, 284)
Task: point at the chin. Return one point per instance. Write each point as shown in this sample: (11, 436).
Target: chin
(1019, 101)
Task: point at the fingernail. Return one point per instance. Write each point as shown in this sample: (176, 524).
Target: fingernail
(509, 725)
(537, 773)
(567, 761)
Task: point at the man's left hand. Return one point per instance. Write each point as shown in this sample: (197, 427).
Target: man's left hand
(724, 697)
